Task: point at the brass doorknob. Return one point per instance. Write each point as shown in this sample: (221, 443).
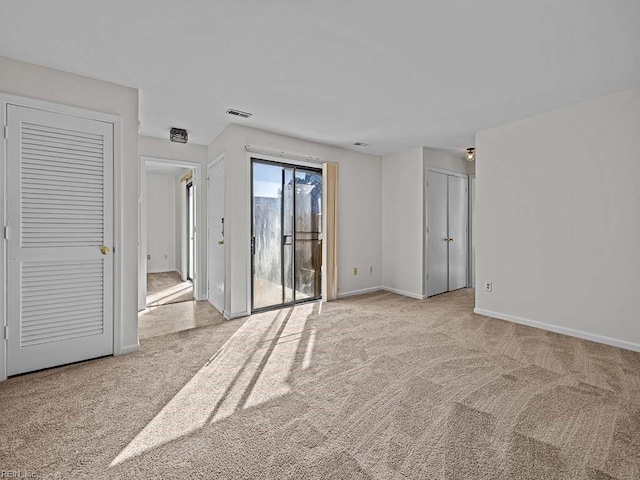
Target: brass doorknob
(450, 239)
(220, 242)
(104, 250)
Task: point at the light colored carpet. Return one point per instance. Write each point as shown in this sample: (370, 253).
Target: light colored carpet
(377, 386)
(174, 317)
(166, 288)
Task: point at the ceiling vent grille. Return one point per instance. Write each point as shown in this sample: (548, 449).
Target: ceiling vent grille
(238, 113)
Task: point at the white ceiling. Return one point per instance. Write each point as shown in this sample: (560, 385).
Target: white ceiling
(394, 74)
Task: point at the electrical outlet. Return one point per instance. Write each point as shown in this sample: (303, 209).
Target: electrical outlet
(488, 286)
(355, 270)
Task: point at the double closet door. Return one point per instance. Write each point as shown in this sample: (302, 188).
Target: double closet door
(286, 241)
(447, 247)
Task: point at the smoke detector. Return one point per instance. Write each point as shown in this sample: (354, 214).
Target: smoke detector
(238, 113)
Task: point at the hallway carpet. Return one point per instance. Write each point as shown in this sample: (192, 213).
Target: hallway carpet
(167, 288)
(376, 386)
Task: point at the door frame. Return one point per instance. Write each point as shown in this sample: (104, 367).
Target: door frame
(190, 216)
(142, 247)
(471, 269)
(286, 162)
(113, 119)
(425, 234)
(215, 161)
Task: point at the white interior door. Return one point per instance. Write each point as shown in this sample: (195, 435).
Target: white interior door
(60, 216)
(457, 232)
(215, 209)
(437, 244)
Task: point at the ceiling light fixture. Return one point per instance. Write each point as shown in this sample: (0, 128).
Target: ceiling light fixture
(178, 135)
(361, 144)
(238, 113)
(471, 154)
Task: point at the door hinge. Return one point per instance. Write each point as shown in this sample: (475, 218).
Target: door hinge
(6, 132)
(6, 332)
(6, 233)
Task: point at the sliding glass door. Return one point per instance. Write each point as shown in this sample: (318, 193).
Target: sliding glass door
(286, 241)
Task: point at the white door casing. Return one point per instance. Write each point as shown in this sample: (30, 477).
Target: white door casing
(199, 292)
(472, 228)
(60, 214)
(215, 237)
(447, 242)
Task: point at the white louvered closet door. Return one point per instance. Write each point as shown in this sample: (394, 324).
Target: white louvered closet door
(60, 215)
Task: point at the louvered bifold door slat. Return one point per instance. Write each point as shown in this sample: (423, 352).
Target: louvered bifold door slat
(60, 208)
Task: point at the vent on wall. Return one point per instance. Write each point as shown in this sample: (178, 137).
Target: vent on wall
(238, 113)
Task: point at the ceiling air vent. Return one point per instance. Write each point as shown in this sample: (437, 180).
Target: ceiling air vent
(238, 113)
(361, 144)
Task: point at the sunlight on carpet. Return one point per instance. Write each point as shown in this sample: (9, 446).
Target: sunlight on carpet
(250, 369)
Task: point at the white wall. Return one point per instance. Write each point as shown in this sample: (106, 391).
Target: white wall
(28, 80)
(359, 203)
(164, 148)
(448, 159)
(161, 222)
(558, 204)
(402, 222)
(404, 214)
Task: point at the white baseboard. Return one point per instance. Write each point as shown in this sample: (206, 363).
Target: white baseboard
(232, 316)
(379, 288)
(403, 293)
(359, 292)
(127, 349)
(614, 342)
(217, 307)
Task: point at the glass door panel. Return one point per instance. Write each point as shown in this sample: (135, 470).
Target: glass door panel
(308, 219)
(267, 236)
(286, 234)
